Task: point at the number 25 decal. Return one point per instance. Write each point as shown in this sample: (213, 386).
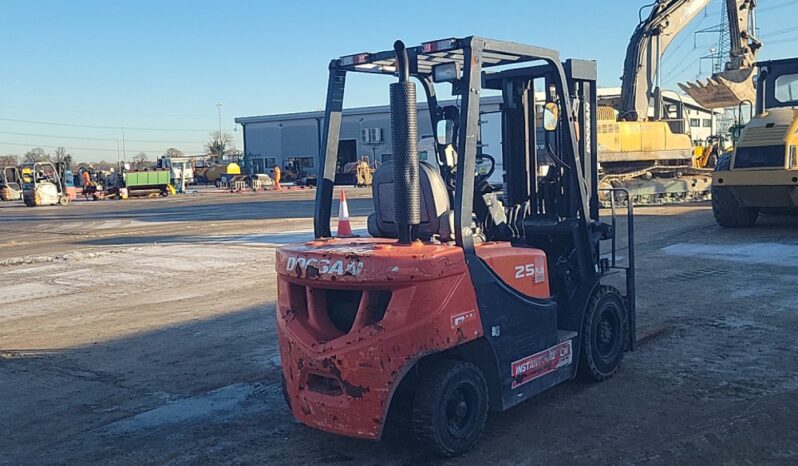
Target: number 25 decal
(523, 271)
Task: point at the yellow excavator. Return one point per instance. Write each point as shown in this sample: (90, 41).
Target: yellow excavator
(761, 175)
(642, 147)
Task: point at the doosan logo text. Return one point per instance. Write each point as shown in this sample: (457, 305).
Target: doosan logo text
(323, 266)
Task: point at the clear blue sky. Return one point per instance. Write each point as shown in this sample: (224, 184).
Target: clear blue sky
(166, 64)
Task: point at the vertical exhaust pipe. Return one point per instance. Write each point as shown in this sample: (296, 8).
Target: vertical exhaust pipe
(404, 135)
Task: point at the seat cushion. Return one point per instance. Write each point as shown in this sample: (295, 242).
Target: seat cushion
(434, 202)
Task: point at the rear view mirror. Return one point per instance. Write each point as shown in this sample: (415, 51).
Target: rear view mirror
(443, 132)
(551, 116)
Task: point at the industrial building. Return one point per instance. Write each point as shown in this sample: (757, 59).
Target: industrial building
(271, 140)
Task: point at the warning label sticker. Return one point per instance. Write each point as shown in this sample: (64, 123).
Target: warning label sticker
(542, 363)
(460, 319)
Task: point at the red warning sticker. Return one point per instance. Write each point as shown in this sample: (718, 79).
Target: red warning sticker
(539, 364)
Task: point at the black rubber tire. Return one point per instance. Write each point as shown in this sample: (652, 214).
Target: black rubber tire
(728, 212)
(604, 335)
(450, 389)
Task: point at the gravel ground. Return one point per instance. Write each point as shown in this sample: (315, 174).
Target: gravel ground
(143, 332)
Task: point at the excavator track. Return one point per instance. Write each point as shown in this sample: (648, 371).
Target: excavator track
(658, 185)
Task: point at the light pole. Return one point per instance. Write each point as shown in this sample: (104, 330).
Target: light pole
(219, 111)
(124, 152)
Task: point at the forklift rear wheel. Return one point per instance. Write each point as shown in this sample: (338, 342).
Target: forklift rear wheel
(604, 335)
(450, 407)
(728, 212)
(63, 201)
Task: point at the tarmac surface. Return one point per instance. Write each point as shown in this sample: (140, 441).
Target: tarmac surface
(142, 332)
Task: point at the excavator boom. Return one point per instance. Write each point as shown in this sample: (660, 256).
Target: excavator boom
(735, 84)
(646, 46)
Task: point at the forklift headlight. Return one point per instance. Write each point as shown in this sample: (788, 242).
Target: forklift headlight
(446, 72)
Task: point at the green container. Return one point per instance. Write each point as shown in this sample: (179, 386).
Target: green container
(140, 179)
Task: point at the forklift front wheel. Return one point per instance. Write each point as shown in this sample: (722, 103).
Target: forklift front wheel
(450, 407)
(604, 334)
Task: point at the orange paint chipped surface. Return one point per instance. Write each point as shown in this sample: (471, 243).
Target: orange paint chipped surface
(353, 316)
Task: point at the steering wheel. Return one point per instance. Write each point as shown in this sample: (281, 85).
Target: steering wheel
(484, 172)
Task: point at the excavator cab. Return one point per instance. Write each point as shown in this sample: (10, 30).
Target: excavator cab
(761, 175)
(464, 299)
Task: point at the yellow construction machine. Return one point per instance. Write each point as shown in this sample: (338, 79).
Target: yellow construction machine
(761, 175)
(643, 147)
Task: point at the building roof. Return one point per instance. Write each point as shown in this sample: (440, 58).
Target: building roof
(603, 93)
(319, 114)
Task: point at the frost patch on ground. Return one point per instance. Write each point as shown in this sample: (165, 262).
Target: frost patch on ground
(753, 253)
(274, 239)
(220, 404)
(71, 257)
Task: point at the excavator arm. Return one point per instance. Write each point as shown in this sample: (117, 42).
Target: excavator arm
(735, 84)
(646, 47)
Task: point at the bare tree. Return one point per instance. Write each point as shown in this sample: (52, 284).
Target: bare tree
(37, 154)
(10, 160)
(139, 160)
(218, 146)
(172, 152)
(61, 155)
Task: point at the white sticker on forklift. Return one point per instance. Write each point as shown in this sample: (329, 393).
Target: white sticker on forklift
(540, 275)
(539, 364)
(460, 319)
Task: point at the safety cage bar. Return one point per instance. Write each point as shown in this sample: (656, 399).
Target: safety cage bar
(423, 58)
(471, 55)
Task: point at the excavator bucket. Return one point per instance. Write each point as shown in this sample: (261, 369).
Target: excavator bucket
(724, 89)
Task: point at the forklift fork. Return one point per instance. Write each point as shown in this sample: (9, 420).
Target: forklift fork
(629, 268)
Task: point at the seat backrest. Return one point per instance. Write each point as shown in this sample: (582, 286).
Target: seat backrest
(434, 203)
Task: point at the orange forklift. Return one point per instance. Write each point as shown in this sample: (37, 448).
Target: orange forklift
(464, 299)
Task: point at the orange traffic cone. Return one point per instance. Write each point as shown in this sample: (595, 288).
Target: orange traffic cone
(344, 227)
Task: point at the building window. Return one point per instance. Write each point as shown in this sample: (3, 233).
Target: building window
(270, 162)
(707, 123)
(695, 122)
(385, 158)
(304, 162)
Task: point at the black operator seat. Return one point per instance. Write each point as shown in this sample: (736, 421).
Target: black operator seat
(437, 218)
